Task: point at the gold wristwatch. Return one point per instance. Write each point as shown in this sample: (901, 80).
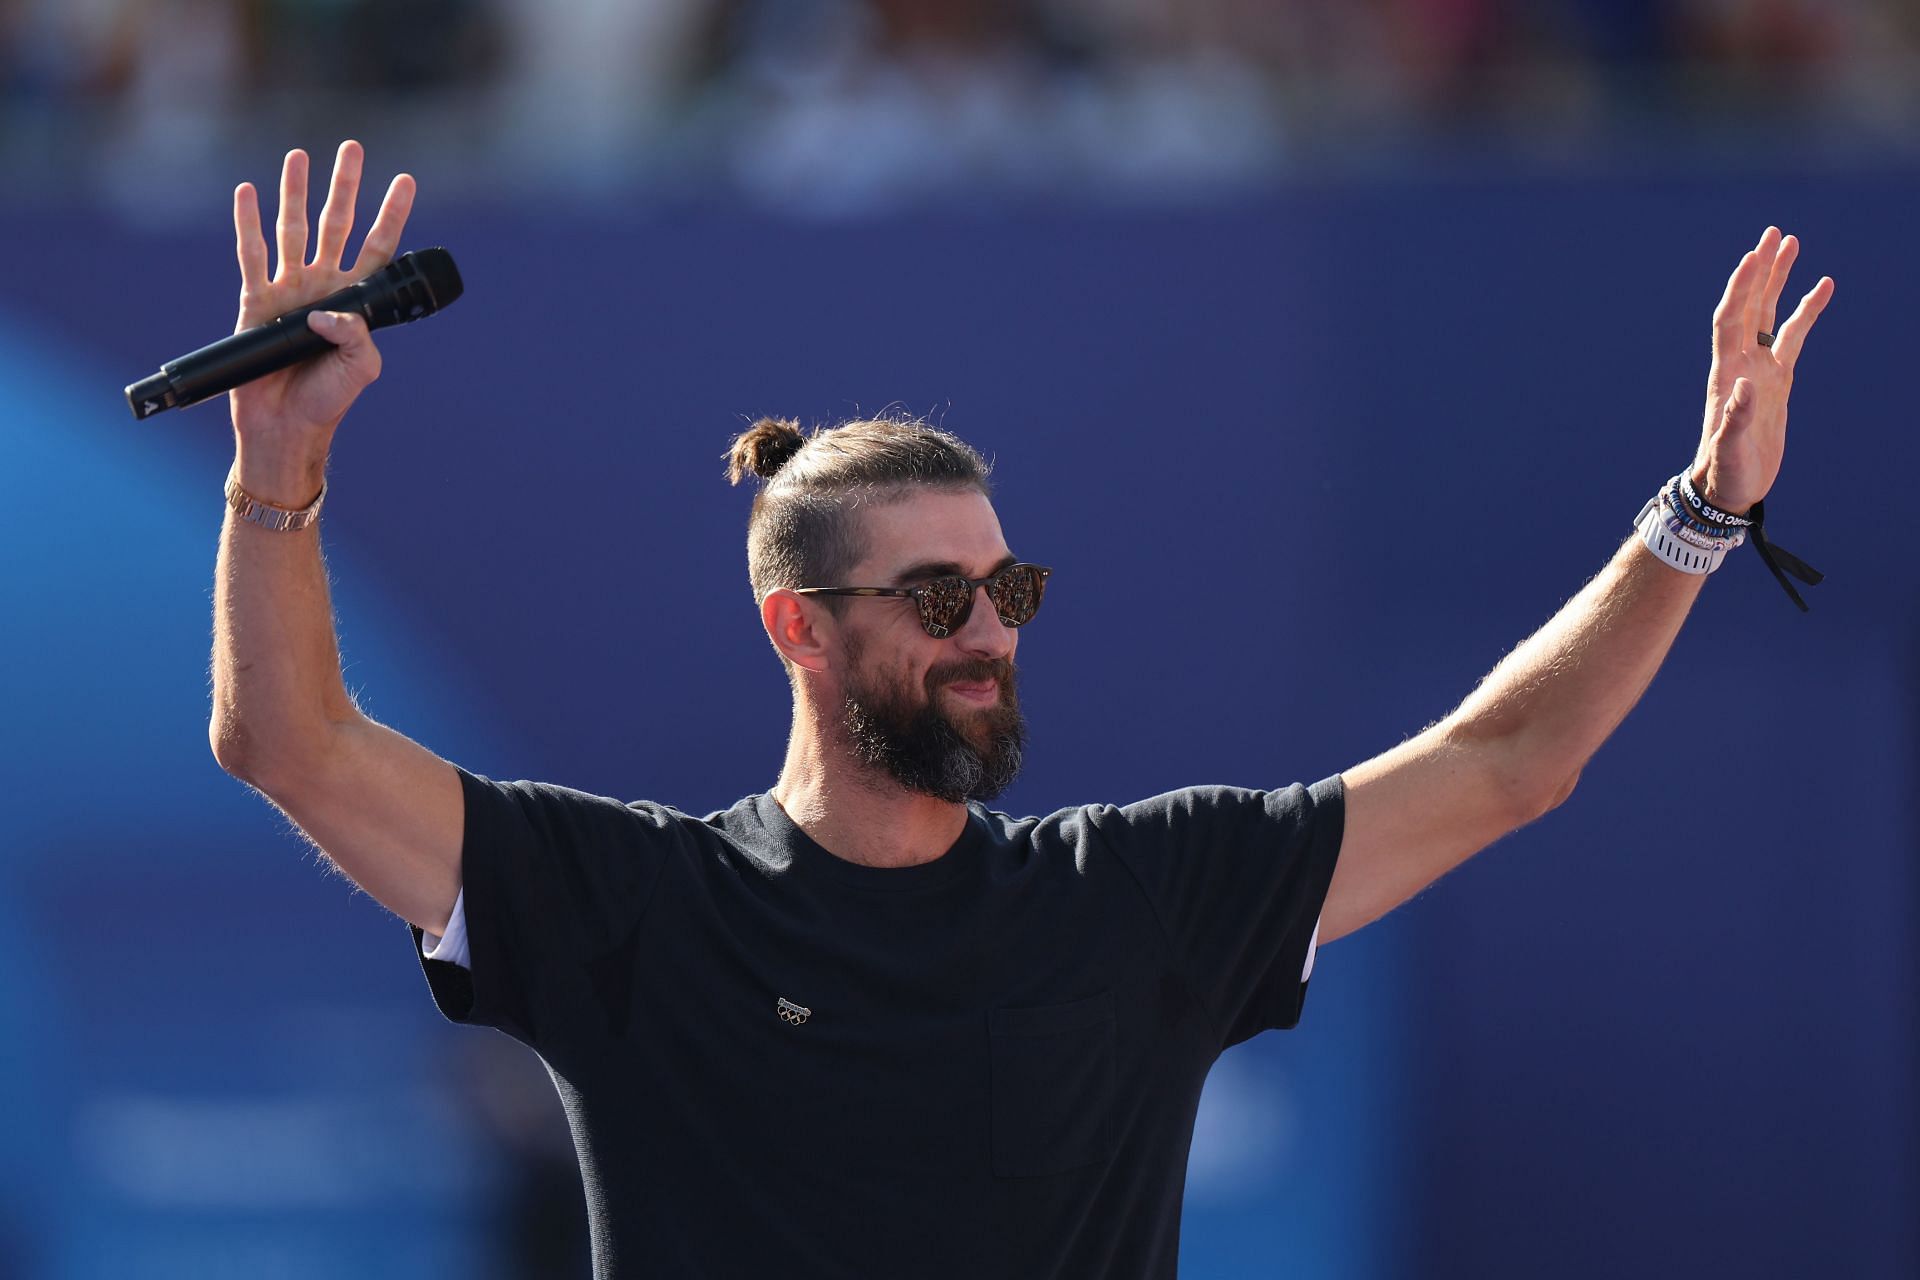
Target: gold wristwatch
(268, 516)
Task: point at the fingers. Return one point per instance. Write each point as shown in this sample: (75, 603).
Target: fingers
(1786, 347)
(1777, 283)
(1765, 254)
(336, 216)
(249, 245)
(348, 333)
(1730, 321)
(291, 228)
(336, 221)
(383, 238)
(341, 328)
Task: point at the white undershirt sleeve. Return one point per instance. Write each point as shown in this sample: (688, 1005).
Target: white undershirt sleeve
(1313, 945)
(451, 946)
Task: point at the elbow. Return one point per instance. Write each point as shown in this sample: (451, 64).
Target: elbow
(1526, 779)
(275, 762)
(1528, 799)
(1520, 781)
(223, 736)
(235, 750)
(1559, 796)
(229, 748)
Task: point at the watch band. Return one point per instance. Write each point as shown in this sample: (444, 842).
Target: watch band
(268, 516)
(1659, 536)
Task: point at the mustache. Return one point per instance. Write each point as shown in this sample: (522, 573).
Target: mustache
(971, 671)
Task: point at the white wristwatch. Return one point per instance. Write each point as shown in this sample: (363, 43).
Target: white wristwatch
(1663, 540)
(268, 516)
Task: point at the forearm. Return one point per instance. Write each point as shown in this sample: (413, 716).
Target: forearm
(1551, 702)
(1516, 746)
(277, 686)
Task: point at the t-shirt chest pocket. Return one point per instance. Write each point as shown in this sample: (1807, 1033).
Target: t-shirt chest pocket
(1052, 1086)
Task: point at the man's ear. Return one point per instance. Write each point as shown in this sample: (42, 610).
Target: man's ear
(801, 633)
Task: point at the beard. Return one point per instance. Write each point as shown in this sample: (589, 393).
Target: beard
(903, 733)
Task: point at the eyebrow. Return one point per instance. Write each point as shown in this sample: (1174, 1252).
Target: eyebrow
(947, 568)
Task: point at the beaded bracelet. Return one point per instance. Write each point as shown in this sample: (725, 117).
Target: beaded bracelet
(1693, 539)
(1671, 501)
(1680, 533)
(1691, 530)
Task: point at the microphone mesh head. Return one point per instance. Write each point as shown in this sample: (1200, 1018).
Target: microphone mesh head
(442, 277)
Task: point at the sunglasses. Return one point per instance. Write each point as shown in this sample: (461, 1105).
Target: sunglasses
(946, 603)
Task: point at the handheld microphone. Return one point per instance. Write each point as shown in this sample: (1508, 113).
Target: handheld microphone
(411, 286)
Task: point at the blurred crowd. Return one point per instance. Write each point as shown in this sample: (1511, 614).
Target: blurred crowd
(831, 105)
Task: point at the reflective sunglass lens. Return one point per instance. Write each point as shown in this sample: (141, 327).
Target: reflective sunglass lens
(943, 604)
(1015, 592)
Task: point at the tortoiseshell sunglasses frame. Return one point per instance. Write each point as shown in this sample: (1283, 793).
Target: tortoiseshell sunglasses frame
(925, 592)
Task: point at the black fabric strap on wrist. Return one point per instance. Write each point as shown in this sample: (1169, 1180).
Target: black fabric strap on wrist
(1779, 558)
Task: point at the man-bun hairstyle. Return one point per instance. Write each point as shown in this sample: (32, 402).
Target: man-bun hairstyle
(762, 449)
(804, 530)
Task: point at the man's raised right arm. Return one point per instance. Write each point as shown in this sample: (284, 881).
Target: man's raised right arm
(386, 810)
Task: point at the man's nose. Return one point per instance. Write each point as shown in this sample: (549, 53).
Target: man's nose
(984, 633)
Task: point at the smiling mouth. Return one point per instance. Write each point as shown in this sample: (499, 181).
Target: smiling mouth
(976, 690)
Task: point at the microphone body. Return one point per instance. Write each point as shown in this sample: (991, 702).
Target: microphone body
(411, 286)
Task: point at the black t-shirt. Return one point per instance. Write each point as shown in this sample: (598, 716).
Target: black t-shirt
(778, 1062)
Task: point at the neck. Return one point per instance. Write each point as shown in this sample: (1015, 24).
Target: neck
(855, 812)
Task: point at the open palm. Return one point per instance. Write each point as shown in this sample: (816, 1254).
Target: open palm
(1745, 434)
(300, 406)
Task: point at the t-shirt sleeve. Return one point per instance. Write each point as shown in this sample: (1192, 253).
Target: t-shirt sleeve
(451, 946)
(553, 886)
(1237, 879)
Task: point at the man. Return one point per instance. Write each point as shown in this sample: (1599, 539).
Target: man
(861, 1024)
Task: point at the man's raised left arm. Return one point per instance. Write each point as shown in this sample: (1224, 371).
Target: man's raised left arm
(1514, 749)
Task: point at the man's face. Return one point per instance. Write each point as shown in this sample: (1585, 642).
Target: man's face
(938, 716)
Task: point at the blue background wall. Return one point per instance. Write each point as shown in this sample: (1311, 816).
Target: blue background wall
(1386, 430)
